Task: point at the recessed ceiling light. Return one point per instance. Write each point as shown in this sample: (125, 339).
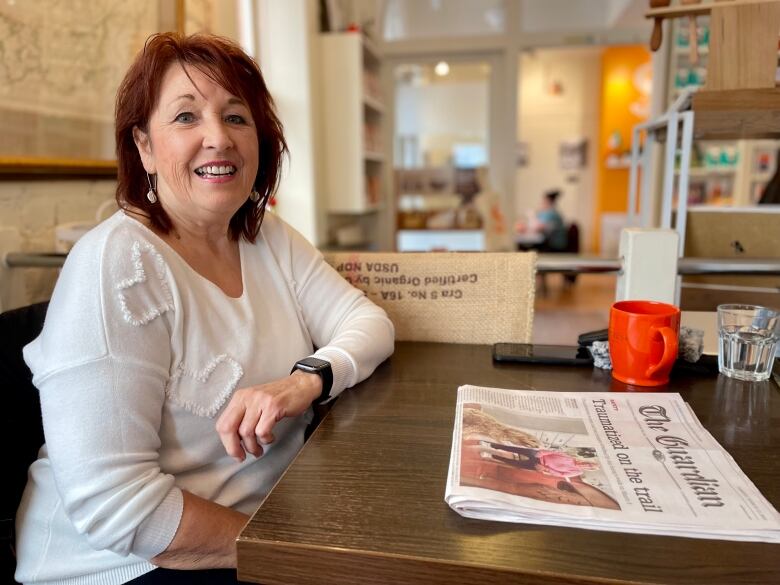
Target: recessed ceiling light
(441, 69)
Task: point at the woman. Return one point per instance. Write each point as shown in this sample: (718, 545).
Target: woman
(164, 365)
(563, 465)
(547, 222)
(555, 463)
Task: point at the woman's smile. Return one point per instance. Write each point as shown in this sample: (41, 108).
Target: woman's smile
(217, 171)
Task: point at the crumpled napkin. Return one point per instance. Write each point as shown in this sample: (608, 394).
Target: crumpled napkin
(691, 346)
(600, 352)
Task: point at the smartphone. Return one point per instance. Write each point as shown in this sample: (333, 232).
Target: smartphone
(591, 336)
(542, 354)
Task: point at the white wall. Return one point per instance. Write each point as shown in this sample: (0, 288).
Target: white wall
(288, 62)
(33, 209)
(544, 120)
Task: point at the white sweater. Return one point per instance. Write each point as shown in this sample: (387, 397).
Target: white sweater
(138, 355)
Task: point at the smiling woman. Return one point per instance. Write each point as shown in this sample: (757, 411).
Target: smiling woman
(185, 99)
(201, 144)
(168, 400)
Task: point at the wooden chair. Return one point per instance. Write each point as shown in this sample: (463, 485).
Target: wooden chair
(451, 297)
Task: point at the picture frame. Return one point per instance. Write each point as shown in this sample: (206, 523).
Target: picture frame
(58, 79)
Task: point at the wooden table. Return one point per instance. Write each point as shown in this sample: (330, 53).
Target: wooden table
(363, 503)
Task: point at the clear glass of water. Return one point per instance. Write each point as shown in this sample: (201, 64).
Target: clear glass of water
(747, 341)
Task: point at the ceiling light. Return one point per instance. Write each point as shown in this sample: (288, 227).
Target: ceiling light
(441, 69)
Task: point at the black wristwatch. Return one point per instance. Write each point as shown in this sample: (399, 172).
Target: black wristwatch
(313, 365)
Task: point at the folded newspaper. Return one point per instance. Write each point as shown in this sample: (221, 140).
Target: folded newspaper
(638, 463)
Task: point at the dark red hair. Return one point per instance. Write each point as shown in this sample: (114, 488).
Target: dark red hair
(227, 64)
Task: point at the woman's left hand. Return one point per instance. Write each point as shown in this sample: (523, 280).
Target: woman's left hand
(250, 416)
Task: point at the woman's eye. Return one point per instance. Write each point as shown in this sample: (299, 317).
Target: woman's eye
(235, 119)
(185, 117)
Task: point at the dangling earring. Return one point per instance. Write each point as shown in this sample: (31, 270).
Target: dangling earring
(151, 195)
(254, 196)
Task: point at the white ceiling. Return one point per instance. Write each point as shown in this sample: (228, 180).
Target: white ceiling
(582, 15)
(406, 19)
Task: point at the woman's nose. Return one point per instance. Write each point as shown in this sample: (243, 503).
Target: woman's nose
(216, 135)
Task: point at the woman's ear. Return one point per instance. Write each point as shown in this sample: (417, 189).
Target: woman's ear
(144, 146)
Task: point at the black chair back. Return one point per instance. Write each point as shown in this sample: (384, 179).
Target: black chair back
(21, 428)
(573, 238)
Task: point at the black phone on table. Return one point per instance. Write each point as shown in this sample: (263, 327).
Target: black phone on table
(591, 336)
(531, 353)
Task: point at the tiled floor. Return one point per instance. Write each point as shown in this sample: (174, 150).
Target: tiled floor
(565, 312)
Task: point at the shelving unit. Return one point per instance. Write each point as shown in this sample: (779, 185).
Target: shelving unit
(739, 108)
(353, 116)
(712, 181)
(728, 162)
(430, 215)
(752, 119)
(684, 74)
(750, 115)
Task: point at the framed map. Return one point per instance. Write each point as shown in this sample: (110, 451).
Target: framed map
(61, 62)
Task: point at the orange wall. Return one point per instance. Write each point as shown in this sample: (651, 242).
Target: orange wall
(625, 102)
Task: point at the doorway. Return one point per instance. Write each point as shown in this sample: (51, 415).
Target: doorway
(442, 144)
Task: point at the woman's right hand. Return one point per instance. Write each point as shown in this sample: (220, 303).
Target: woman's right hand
(249, 418)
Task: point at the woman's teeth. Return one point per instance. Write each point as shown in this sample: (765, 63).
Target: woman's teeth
(215, 171)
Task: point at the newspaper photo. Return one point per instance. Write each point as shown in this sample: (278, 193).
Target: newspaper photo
(620, 462)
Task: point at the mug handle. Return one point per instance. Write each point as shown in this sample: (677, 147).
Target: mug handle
(670, 350)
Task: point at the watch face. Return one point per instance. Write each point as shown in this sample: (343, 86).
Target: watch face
(313, 363)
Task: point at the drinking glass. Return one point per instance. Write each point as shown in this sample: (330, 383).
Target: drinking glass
(747, 341)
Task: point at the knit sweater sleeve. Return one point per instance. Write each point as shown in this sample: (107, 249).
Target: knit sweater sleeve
(348, 330)
(101, 365)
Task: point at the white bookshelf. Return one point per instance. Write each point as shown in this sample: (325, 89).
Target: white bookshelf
(352, 112)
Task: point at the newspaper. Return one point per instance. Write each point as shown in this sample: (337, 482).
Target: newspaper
(638, 463)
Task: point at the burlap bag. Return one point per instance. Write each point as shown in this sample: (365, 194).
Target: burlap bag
(450, 297)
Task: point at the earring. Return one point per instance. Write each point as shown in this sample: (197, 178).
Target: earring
(151, 195)
(254, 196)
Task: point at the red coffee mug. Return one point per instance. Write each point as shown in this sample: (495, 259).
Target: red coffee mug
(643, 339)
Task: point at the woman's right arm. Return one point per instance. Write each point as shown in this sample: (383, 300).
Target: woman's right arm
(101, 365)
(196, 548)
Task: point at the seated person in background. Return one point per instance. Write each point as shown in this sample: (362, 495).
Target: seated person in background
(547, 222)
(164, 365)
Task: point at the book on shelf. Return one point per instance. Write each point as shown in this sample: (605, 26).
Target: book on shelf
(640, 463)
